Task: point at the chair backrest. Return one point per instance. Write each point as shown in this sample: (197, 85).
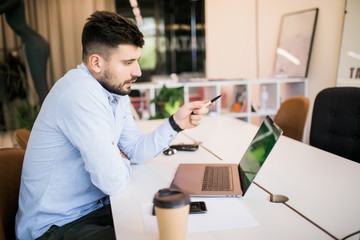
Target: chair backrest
(335, 125)
(11, 160)
(291, 116)
(22, 136)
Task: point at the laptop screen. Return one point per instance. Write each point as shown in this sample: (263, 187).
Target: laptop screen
(257, 152)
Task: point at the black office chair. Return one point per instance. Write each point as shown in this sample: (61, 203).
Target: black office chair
(335, 125)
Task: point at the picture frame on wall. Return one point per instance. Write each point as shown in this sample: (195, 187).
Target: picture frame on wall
(293, 51)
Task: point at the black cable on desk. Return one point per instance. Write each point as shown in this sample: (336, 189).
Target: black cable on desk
(350, 235)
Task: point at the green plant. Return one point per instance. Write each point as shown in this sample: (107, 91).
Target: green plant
(167, 101)
(13, 82)
(13, 86)
(26, 114)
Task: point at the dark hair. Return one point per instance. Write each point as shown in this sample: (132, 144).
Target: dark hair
(105, 30)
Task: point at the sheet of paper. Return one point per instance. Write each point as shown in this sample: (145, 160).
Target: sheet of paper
(223, 213)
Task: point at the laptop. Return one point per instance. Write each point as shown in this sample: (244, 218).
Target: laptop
(229, 180)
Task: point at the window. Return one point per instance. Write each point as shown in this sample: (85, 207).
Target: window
(174, 33)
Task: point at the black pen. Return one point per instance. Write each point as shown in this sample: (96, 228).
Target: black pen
(211, 101)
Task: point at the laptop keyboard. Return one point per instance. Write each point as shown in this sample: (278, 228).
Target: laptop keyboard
(217, 178)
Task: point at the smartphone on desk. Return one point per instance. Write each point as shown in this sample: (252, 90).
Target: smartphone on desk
(185, 147)
(195, 208)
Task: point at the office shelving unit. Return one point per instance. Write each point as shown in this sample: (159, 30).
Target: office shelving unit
(277, 90)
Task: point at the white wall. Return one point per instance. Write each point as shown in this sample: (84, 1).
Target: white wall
(230, 39)
(325, 52)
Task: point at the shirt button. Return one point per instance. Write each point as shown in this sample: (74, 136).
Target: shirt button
(171, 135)
(112, 142)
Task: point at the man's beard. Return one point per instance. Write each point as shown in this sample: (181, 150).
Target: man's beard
(119, 90)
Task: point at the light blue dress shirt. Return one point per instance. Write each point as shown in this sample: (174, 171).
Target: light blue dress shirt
(72, 161)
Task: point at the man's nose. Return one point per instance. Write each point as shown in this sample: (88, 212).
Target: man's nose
(137, 70)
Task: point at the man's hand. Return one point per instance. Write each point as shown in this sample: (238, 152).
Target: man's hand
(190, 115)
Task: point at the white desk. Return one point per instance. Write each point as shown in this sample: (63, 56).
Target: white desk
(320, 185)
(229, 139)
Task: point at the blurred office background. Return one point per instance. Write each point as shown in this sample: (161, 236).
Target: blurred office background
(228, 39)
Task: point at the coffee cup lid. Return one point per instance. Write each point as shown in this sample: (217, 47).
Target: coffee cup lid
(171, 198)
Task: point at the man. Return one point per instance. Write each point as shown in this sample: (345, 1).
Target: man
(72, 162)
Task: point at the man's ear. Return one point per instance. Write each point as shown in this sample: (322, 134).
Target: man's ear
(96, 62)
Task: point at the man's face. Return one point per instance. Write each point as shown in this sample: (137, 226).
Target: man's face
(121, 69)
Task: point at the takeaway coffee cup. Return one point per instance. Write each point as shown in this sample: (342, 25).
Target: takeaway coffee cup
(172, 209)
